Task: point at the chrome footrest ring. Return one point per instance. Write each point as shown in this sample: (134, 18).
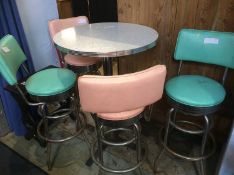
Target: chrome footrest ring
(187, 157)
(98, 163)
(107, 142)
(59, 140)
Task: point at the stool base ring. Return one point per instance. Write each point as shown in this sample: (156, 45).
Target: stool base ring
(105, 140)
(63, 139)
(186, 157)
(97, 162)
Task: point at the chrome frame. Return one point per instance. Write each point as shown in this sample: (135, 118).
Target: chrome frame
(201, 131)
(58, 114)
(30, 103)
(224, 75)
(113, 127)
(25, 68)
(19, 93)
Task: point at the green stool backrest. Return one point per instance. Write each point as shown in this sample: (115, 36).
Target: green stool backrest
(11, 57)
(205, 47)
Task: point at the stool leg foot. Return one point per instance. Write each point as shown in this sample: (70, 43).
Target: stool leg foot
(140, 171)
(203, 168)
(156, 160)
(99, 142)
(138, 141)
(49, 163)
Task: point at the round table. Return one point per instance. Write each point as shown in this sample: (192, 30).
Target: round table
(106, 40)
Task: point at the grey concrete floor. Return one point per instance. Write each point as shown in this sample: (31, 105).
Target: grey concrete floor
(72, 155)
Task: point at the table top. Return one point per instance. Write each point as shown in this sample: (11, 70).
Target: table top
(109, 39)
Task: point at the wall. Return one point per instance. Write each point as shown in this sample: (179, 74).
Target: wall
(34, 15)
(64, 8)
(168, 17)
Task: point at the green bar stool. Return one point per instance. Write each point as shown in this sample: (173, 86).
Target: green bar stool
(196, 95)
(42, 89)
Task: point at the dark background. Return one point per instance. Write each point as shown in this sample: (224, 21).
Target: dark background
(96, 10)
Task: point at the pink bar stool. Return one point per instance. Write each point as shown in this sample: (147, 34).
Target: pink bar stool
(116, 104)
(78, 64)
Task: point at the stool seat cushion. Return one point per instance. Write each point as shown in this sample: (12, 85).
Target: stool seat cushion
(195, 90)
(121, 115)
(76, 60)
(50, 82)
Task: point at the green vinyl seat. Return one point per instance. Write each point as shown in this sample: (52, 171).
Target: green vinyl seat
(50, 82)
(47, 82)
(195, 90)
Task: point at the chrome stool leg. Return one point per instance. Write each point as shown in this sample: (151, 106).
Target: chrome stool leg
(138, 144)
(173, 117)
(99, 142)
(204, 140)
(100, 147)
(79, 117)
(84, 133)
(43, 112)
(165, 138)
(138, 141)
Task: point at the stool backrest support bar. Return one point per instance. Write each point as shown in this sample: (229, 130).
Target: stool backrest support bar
(206, 47)
(114, 94)
(11, 57)
(57, 25)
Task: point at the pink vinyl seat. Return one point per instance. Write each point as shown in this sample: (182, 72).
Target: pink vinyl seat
(57, 25)
(119, 99)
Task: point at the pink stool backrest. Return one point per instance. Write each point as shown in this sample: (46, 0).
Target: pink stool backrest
(113, 94)
(57, 25)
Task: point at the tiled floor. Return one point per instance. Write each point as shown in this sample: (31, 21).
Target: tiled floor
(73, 154)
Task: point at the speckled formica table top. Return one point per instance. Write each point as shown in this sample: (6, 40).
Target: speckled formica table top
(109, 39)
